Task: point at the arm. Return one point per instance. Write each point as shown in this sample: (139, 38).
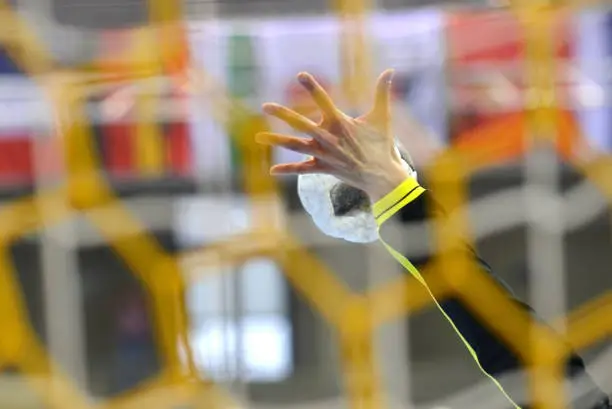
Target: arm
(361, 153)
(411, 203)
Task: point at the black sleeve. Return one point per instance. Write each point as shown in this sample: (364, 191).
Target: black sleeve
(492, 356)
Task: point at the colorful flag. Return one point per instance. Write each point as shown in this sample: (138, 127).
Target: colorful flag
(487, 67)
(593, 48)
(241, 86)
(413, 44)
(210, 145)
(16, 125)
(144, 141)
(318, 42)
(245, 120)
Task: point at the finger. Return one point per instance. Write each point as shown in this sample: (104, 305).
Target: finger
(319, 95)
(382, 99)
(300, 145)
(293, 143)
(308, 166)
(300, 123)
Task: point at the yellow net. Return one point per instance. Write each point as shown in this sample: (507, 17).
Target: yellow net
(355, 316)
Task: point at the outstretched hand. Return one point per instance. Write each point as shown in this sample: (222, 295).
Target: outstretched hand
(359, 151)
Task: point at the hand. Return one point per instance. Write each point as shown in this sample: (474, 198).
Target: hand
(359, 151)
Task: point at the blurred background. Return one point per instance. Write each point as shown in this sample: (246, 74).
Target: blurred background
(206, 270)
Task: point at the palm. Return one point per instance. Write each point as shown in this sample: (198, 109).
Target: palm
(338, 144)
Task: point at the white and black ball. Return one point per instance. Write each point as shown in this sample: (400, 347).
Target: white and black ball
(340, 210)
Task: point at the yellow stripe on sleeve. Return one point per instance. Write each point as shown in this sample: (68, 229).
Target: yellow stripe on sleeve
(384, 209)
(399, 197)
(416, 274)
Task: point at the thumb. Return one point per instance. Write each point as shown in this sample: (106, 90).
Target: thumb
(382, 98)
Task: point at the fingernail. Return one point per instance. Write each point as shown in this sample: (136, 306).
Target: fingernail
(305, 80)
(268, 108)
(390, 75)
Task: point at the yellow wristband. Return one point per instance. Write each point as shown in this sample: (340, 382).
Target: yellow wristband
(399, 197)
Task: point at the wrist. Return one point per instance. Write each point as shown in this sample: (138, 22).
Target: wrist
(392, 178)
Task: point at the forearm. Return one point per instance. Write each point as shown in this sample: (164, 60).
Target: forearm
(410, 203)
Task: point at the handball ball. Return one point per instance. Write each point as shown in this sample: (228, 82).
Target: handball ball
(340, 210)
